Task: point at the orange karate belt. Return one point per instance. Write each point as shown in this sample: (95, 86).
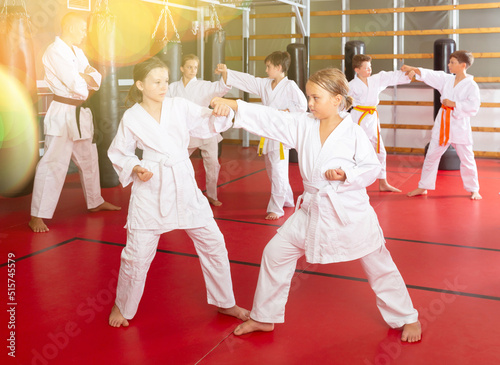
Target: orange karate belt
(444, 132)
(369, 110)
(261, 147)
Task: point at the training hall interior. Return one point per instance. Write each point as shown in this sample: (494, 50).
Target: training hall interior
(59, 285)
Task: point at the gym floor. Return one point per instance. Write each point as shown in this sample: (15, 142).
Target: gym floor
(446, 246)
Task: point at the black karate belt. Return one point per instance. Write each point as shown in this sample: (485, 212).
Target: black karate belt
(78, 103)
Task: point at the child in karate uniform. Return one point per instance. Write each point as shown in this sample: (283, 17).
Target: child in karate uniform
(460, 101)
(164, 192)
(201, 92)
(365, 89)
(280, 93)
(333, 220)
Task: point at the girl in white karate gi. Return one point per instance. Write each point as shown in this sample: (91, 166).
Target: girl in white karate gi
(460, 100)
(279, 92)
(201, 92)
(333, 220)
(365, 89)
(164, 192)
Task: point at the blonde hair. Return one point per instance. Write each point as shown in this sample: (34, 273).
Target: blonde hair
(333, 80)
(141, 71)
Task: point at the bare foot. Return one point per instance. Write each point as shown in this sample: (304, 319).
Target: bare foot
(383, 185)
(412, 332)
(37, 225)
(238, 312)
(214, 202)
(116, 319)
(476, 196)
(417, 191)
(105, 206)
(272, 216)
(253, 326)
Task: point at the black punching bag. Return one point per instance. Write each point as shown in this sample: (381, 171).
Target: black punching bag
(171, 55)
(18, 118)
(298, 67)
(297, 73)
(443, 48)
(105, 103)
(215, 52)
(351, 49)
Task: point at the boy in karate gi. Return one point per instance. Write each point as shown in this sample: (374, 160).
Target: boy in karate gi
(279, 92)
(68, 127)
(365, 89)
(201, 92)
(460, 101)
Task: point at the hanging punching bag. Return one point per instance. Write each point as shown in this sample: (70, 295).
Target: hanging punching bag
(297, 72)
(171, 54)
(105, 103)
(18, 96)
(351, 49)
(443, 48)
(298, 67)
(215, 53)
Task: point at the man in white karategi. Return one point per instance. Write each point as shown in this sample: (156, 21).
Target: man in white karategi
(68, 126)
(201, 92)
(460, 101)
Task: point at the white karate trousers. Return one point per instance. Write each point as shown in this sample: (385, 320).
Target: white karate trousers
(278, 265)
(140, 250)
(468, 168)
(382, 156)
(281, 191)
(52, 169)
(210, 154)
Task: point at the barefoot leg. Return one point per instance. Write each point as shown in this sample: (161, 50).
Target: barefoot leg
(37, 225)
(235, 311)
(116, 319)
(253, 326)
(383, 185)
(412, 332)
(417, 192)
(105, 206)
(272, 216)
(476, 196)
(214, 202)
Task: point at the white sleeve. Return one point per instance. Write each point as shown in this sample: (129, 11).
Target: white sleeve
(297, 100)
(470, 106)
(200, 121)
(95, 74)
(56, 65)
(268, 122)
(245, 82)
(121, 153)
(391, 78)
(435, 79)
(366, 168)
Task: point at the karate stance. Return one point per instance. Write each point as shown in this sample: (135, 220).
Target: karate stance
(164, 193)
(283, 94)
(201, 92)
(68, 127)
(333, 220)
(365, 89)
(460, 100)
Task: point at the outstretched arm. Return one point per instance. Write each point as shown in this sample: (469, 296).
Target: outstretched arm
(221, 69)
(407, 69)
(217, 104)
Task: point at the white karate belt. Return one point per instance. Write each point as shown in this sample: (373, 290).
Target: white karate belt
(318, 190)
(166, 161)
